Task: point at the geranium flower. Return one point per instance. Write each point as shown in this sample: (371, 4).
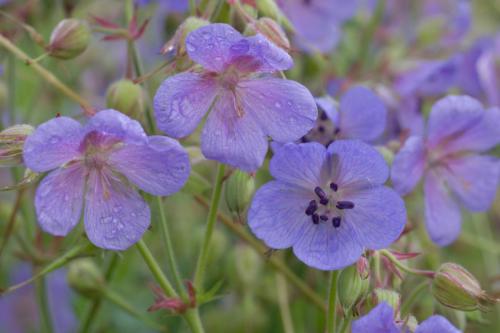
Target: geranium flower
(381, 320)
(95, 164)
(246, 105)
(449, 160)
(360, 115)
(329, 204)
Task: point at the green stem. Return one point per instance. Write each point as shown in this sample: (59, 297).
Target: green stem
(332, 303)
(192, 7)
(276, 263)
(119, 301)
(172, 264)
(212, 217)
(191, 316)
(404, 268)
(284, 304)
(43, 306)
(369, 32)
(93, 309)
(412, 298)
(155, 269)
(346, 321)
(12, 220)
(48, 76)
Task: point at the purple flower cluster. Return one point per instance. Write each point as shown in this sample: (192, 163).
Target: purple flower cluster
(381, 320)
(246, 104)
(329, 204)
(450, 160)
(94, 169)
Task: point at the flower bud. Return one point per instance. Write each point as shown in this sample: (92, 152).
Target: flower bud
(176, 46)
(11, 144)
(3, 95)
(126, 97)
(248, 265)
(69, 39)
(272, 31)
(352, 287)
(84, 277)
(389, 296)
(271, 9)
(455, 287)
(239, 190)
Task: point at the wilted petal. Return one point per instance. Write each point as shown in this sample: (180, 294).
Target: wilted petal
(435, 324)
(52, 144)
(324, 247)
(362, 114)
(116, 216)
(480, 135)
(284, 109)
(115, 124)
(357, 164)
(232, 139)
(451, 117)
(379, 320)
(210, 45)
(59, 199)
(474, 179)
(277, 214)
(378, 216)
(181, 101)
(299, 164)
(442, 214)
(408, 165)
(160, 167)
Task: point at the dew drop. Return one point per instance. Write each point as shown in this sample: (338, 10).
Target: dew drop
(278, 105)
(54, 139)
(191, 47)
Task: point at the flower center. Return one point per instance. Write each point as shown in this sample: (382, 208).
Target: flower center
(97, 147)
(326, 208)
(323, 132)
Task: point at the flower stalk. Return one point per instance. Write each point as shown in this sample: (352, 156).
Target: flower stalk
(331, 318)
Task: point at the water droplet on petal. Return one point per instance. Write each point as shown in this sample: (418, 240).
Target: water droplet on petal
(54, 139)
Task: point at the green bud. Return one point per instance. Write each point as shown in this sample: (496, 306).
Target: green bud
(176, 46)
(11, 144)
(69, 39)
(271, 9)
(126, 97)
(248, 265)
(352, 288)
(239, 190)
(389, 296)
(85, 277)
(455, 287)
(386, 153)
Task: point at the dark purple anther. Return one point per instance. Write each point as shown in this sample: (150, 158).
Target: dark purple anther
(336, 221)
(323, 217)
(319, 192)
(345, 205)
(323, 201)
(313, 206)
(323, 116)
(334, 187)
(321, 129)
(315, 218)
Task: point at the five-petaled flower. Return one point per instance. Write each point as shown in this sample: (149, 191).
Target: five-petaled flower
(95, 164)
(360, 115)
(450, 161)
(247, 103)
(330, 204)
(381, 320)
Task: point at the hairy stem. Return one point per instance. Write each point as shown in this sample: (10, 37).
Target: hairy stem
(331, 317)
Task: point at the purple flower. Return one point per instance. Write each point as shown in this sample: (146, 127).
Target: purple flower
(19, 310)
(360, 115)
(329, 204)
(246, 106)
(381, 320)
(318, 22)
(95, 164)
(449, 160)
